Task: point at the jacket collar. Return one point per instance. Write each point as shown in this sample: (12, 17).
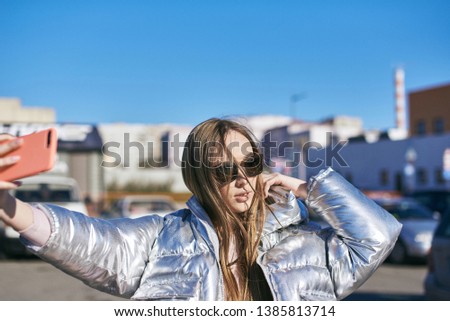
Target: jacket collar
(204, 223)
(278, 216)
(197, 209)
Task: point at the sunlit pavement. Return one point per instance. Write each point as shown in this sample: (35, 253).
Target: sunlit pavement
(33, 279)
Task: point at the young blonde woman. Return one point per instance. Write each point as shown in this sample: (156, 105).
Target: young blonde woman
(244, 235)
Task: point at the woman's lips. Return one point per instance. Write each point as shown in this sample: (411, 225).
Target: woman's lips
(242, 197)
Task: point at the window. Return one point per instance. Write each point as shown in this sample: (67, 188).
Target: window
(421, 128)
(438, 125)
(399, 181)
(422, 176)
(439, 176)
(384, 177)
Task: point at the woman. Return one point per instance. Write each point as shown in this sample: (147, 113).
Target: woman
(244, 236)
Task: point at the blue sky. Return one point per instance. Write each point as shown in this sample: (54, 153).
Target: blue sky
(185, 61)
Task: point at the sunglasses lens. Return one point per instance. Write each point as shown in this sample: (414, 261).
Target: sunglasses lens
(253, 166)
(228, 172)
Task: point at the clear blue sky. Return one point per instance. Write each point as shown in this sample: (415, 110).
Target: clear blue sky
(185, 61)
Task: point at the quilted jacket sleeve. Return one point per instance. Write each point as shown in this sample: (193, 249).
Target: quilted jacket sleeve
(109, 255)
(362, 235)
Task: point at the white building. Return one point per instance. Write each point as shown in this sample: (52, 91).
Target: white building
(286, 148)
(415, 163)
(148, 156)
(11, 111)
(143, 156)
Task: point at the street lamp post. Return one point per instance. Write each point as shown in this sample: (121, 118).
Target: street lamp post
(409, 170)
(293, 100)
(301, 170)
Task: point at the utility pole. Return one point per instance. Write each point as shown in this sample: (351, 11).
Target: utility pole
(293, 100)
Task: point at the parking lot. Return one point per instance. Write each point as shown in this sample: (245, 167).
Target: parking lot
(32, 279)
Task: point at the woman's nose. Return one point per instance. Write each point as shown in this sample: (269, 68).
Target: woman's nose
(241, 181)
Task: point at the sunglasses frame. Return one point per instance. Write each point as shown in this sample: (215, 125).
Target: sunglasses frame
(228, 172)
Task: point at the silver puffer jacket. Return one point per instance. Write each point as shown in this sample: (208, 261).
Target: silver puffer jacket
(176, 257)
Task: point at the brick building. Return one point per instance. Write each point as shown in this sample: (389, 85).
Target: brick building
(429, 111)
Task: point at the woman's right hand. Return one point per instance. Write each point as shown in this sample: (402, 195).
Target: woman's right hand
(297, 186)
(8, 143)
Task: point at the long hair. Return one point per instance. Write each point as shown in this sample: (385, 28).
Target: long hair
(238, 232)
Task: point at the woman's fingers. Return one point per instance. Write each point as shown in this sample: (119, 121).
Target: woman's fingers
(297, 186)
(6, 137)
(270, 180)
(9, 185)
(9, 143)
(9, 160)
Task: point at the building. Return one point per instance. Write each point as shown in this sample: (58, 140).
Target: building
(13, 112)
(287, 148)
(143, 157)
(429, 111)
(259, 124)
(387, 160)
(79, 152)
(412, 164)
(147, 157)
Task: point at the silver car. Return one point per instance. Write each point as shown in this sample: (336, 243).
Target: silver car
(59, 190)
(419, 224)
(135, 206)
(437, 280)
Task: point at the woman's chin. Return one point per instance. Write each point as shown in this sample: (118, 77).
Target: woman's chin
(240, 207)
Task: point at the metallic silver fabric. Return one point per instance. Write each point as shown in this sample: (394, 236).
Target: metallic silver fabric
(176, 257)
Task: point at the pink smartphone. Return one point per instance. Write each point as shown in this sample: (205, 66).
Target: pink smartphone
(37, 154)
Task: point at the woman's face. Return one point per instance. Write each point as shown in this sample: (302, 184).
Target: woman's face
(238, 194)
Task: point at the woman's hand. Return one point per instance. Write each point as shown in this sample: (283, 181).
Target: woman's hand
(8, 143)
(13, 212)
(297, 186)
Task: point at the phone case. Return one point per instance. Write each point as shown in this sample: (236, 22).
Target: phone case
(37, 154)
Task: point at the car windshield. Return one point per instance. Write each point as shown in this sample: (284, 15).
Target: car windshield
(443, 229)
(439, 201)
(408, 210)
(46, 193)
(149, 206)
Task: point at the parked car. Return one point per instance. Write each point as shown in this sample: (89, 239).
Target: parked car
(438, 201)
(419, 224)
(437, 280)
(134, 206)
(59, 190)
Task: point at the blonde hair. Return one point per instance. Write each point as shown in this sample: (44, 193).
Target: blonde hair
(205, 141)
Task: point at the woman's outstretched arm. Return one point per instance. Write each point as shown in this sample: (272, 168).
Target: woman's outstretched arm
(13, 212)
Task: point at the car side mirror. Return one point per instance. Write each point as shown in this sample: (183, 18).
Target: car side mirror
(437, 215)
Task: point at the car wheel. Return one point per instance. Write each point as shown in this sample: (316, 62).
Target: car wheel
(398, 254)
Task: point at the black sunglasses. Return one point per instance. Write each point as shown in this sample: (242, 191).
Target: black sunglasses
(229, 171)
